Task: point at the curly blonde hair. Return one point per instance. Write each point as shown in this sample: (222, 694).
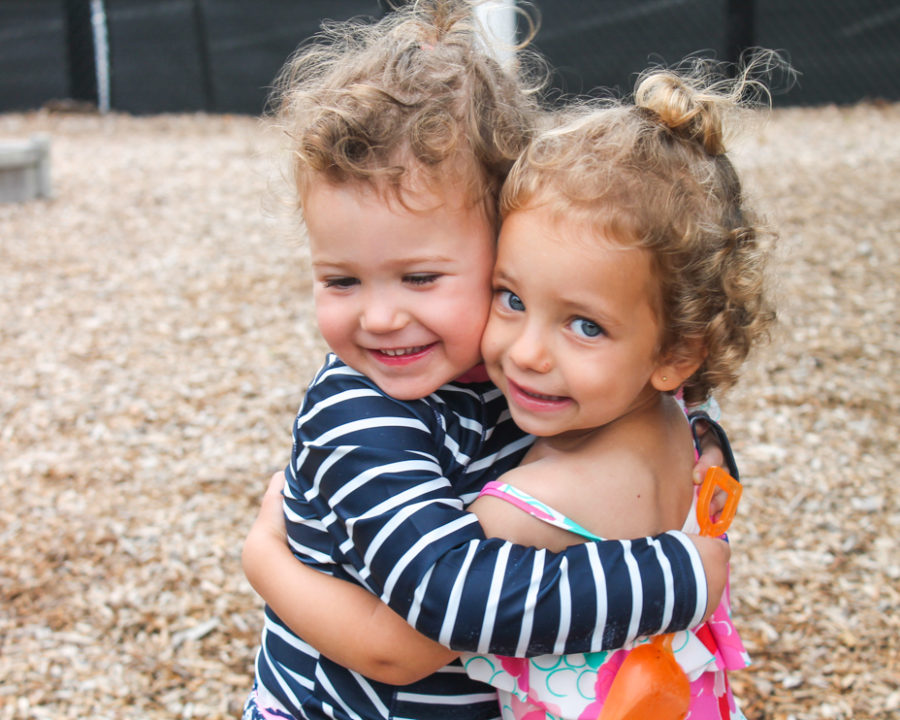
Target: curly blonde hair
(416, 94)
(654, 174)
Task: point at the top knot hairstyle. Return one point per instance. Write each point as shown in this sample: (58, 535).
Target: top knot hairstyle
(653, 174)
(418, 91)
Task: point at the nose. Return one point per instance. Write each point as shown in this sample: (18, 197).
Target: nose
(381, 313)
(529, 351)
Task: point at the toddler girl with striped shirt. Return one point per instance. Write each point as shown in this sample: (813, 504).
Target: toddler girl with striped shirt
(403, 132)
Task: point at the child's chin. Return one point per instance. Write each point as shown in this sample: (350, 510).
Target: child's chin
(538, 429)
(412, 390)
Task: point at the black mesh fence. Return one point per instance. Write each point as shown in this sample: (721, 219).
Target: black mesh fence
(604, 44)
(33, 46)
(150, 56)
(219, 56)
(844, 51)
(153, 56)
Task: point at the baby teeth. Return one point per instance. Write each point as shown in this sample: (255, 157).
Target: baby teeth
(541, 396)
(404, 351)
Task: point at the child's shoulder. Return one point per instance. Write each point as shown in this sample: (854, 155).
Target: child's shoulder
(625, 480)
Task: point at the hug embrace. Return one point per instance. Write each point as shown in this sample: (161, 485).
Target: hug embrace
(491, 496)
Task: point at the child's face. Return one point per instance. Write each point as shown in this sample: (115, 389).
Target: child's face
(572, 335)
(401, 295)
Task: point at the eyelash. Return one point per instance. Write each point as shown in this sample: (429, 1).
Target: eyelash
(417, 280)
(421, 279)
(340, 282)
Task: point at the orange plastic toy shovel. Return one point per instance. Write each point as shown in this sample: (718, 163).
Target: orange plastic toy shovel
(716, 477)
(651, 685)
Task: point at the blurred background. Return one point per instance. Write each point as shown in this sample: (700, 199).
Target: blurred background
(220, 56)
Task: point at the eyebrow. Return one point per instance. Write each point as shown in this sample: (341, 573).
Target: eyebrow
(419, 259)
(412, 260)
(326, 264)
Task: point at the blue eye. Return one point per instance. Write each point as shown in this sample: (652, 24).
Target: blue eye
(511, 301)
(586, 328)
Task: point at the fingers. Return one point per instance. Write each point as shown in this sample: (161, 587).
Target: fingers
(276, 483)
(717, 503)
(271, 512)
(714, 554)
(703, 464)
(711, 454)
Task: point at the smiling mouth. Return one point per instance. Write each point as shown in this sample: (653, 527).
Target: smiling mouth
(402, 357)
(536, 395)
(541, 396)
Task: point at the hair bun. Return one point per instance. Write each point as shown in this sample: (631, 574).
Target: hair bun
(687, 109)
(695, 98)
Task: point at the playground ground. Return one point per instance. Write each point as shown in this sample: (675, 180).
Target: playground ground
(156, 339)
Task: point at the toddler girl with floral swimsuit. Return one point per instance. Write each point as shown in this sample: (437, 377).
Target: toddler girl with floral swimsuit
(629, 271)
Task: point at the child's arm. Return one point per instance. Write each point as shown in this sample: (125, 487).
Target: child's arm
(334, 615)
(373, 470)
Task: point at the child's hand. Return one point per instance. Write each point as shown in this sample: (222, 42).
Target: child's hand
(267, 535)
(711, 455)
(334, 614)
(714, 554)
(271, 513)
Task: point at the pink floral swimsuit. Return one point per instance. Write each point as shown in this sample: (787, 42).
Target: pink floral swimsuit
(573, 687)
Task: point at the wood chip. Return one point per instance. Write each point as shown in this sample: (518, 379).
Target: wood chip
(157, 337)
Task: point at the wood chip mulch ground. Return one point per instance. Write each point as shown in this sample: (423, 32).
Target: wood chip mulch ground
(156, 339)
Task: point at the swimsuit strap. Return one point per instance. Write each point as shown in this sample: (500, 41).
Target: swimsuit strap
(535, 508)
(547, 514)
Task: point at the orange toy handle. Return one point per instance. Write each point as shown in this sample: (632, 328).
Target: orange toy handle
(716, 477)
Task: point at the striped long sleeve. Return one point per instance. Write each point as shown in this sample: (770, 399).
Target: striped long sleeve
(376, 491)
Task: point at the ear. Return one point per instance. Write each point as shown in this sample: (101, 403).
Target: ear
(674, 370)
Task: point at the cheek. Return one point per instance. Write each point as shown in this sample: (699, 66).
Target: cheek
(492, 342)
(333, 324)
(478, 285)
(469, 309)
(481, 305)
(465, 334)
(479, 281)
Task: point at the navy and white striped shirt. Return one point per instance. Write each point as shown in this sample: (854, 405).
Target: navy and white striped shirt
(375, 494)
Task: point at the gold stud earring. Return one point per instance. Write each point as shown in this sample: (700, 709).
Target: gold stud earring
(665, 378)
